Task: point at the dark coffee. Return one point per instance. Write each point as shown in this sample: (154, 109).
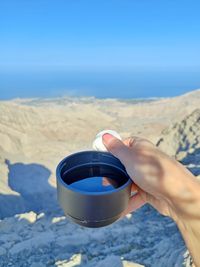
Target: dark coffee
(95, 179)
(95, 184)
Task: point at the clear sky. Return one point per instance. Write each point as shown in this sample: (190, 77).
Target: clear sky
(99, 35)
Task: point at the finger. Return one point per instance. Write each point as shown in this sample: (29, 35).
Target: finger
(133, 140)
(135, 202)
(130, 141)
(134, 188)
(117, 148)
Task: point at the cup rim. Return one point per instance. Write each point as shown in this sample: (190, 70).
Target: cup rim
(88, 193)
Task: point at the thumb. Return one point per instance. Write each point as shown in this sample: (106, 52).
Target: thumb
(117, 148)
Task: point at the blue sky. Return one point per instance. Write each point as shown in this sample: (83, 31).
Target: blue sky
(99, 35)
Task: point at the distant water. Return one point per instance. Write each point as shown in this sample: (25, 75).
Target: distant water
(117, 84)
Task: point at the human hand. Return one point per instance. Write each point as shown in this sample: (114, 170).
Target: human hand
(158, 179)
(162, 182)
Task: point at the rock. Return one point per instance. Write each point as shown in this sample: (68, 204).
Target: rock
(75, 260)
(37, 264)
(183, 137)
(182, 140)
(72, 242)
(112, 260)
(6, 225)
(31, 217)
(9, 244)
(40, 216)
(2, 251)
(115, 261)
(131, 264)
(59, 220)
(41, 240)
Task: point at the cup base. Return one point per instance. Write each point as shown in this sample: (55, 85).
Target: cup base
(94, 224)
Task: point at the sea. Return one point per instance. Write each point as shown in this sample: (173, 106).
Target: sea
(97, 83)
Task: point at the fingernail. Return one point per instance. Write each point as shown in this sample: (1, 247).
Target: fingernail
(107, 137)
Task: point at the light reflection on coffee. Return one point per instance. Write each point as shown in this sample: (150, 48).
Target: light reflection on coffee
(95, 184)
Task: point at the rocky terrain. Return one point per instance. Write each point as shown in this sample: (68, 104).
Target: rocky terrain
(182, 140)
(36, 134)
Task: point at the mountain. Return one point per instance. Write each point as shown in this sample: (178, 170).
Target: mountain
(36, 134)
(182, 140)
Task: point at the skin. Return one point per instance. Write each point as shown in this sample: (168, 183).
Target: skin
(162, 182)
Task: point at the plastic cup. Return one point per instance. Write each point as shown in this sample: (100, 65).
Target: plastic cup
(93, 188)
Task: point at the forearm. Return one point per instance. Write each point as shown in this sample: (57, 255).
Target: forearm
(191, 234)
(188, 217)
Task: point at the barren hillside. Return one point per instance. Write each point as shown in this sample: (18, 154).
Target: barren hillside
(36, 134)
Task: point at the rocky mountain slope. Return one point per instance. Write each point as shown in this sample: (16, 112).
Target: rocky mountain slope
(36, 133)
(182, 140)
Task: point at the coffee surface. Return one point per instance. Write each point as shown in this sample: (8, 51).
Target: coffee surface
(95, 184)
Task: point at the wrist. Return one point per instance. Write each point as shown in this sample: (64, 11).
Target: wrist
(190, 230)
(186, 201)
(183, 197)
